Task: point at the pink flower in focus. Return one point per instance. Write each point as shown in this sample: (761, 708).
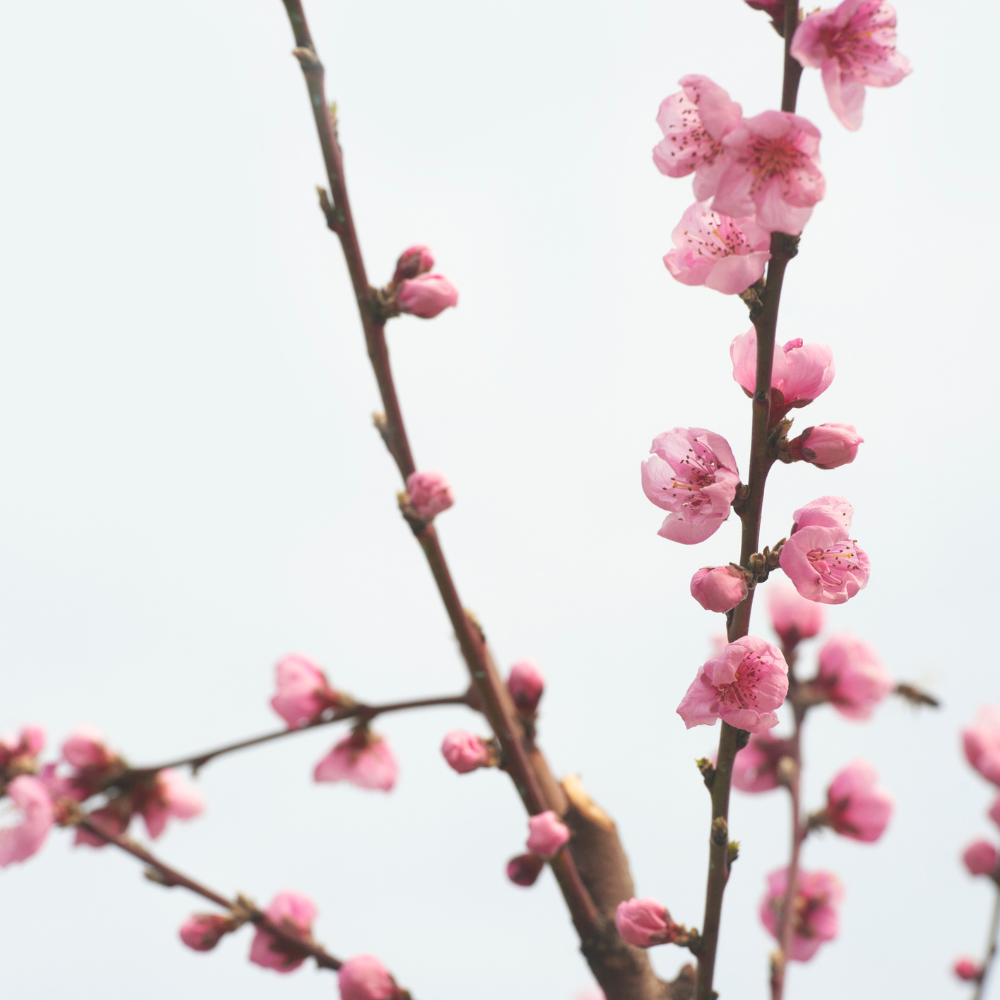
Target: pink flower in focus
(981, 742)
(546, 834)
(852, 675)
(855, 806)
(19, 754)
(430, 493)
(465, 752)
(33, 816)
(744, 686)
(967, 969)
(364, 977)
(854, 45)
(526, 685)
(412, 262)
(722, 253)
(824, 512)
(827, 446)
(981, 858)
(427, 296)
(793, 617)
(170, 796)
(694, 122)
(203, 931)
(363, 759)
(771, 170)
(692, 473)
(293, 913)
(643, 923)
(85, 749)
(303, 691)
(755, 768)
(525, 869)
(719, 588)
(814, 913)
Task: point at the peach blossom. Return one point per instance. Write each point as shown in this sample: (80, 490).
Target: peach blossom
(855, 806)
(294, 913)
(33, 814)
(364, 977)
(526, 685)
(852, 675)
(814, 913)
(981, 742)
(546, 834)
(303, 691)
(719, 588)
(981, 858)
(465, 752)
(430, 493)
(427, 295)
(363, 759)
(755, 768)
(643, 923)
(793, 617)
(170, 796)
(203, 931)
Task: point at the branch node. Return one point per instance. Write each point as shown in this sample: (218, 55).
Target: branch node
(707, 769)
(160, 878)
(308, 60)
(720, 831)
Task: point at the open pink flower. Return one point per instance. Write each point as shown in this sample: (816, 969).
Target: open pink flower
(465, 752)
(722, 253)
(413, 261)
(170, 796)
(825, 512)
(981, 742)
(694, 122)
(427, 296)
(981, 858)
(814, 911)
(85, 749)
(793, 617)
(719, 588)
(526, 685)
(692, 473)
(771, 170)
(430, 493)
(827, 446)
(855, 806)
(854, 45)
(967, 969)
(203, 931)
(294, 913)
(363, 759)
(643, 923)
(755, 768)
(364, 977)
(525, 869)
(303, 691)
(546, 834)
(744, 686)
(852, 675)
(26, 825)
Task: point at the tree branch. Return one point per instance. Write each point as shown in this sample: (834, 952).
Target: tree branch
(991, 949)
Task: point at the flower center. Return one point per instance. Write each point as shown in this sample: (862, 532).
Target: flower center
(834, 563)
(742, 692)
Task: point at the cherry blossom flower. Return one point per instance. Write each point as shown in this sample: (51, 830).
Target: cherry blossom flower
(427, 296)
(692, 473)
(113, 819)
(744, 686)
(981, 858)
(303, 691)
(967, 969)
(814, 912)
(169, 796)
(852, 675)
(770, 169)
(526, 685)
(755, 768)
(413, 261)
(363, 759)
(17, 756)
(525, 869)
(465, 752)
(430, 493)
(793, 617)
(694, 122)
(644, 923)
(294, 913)
(827, 446)
(546, 834)
(27, 823)
(203, 931)
(85, 749)
(981, 742)
(719, 588)
(855, 806)
(854, 46)
(364, 977)
(722, 253)
(824, 512)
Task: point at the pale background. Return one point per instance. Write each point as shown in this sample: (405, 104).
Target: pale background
(192, 486)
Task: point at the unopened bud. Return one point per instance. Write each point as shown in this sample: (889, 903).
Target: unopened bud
(413, 261)
(827, 446)
(204, 931)
(526, 686)
(525, 869)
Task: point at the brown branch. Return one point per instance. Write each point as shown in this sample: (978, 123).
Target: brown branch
(991, 949)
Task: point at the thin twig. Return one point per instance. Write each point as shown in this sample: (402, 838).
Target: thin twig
(991, 949)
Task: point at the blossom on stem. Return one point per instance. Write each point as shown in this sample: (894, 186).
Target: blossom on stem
(719, 588)
(170, 795)
(643, 923)
(113, 820)
(363, 759)
(303, 691)
(364, 977)
(85, 749)
(203, 931)
(413, 261)
(793, 617)
(967, 969)
(981, 858)
(813, 913)
(981, 742)
(465, 752)
(718, 251)
(430, 492)
(855, 806)
(294, 913)
(853, 677)
(17, 756)
(755, 768)
(827, 446)
(427, 296)
(824, 512)
(33, 816)
(526, 685)
(692, 473)
(743, 686)
(854, 46)
(525, 869)
(546, 834)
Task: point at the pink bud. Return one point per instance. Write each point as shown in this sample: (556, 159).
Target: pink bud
(981, 858)
(85, 748)
(719, 588)
(967, 969)
(169, 796)
(34, 815)
(413, 261)
(203, 931)
(981, 741)
(364, 977)
(525, 869)
(818, 898)
(827, 446)
(526, 685)
(465, 752)
(855, 806)
(793, 617)
(430, 493)
(644, 922)
(293, 913)
(427, 296)
(303, 691)
(363, 759)
(546, 834)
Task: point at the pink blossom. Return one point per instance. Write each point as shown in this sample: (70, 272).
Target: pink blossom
(743, 686)
(113, 819)
(413, 261)
(771, 170)
(755, 768)
(814, 913)
(692, 473)
(793, 617)
(967, 969)
(546, 834)
(294, 913)
(430, 493)
(33, 816)
(827, 446)
(203, 931)
(722, 253)
(855, 806)
(170, 796)
(694, 122)
(854, 45)
(20, 753)
(981, 858)
(824, 512)
(981, 741)
(526, 685)
(364, 977)
(525, 869)
(85, 749)
(852, 675)
(465, 752)
(719, 588)
(363, 759)
(427, 296)
(644, 923)
(303, 691)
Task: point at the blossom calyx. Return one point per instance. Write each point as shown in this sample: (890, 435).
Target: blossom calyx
(413, 261)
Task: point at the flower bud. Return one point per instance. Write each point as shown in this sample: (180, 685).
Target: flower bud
(427, 296)
(967, 969)
(413, 261)
(526, 685)
(203, 931)
(364, 977)
(827, 446)
(855, 806)
(981, 858)
(430, 493)
(85, 748)
(525, 869)
(546, 834)
(719, 588)
(644, 922)
(465, 752)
